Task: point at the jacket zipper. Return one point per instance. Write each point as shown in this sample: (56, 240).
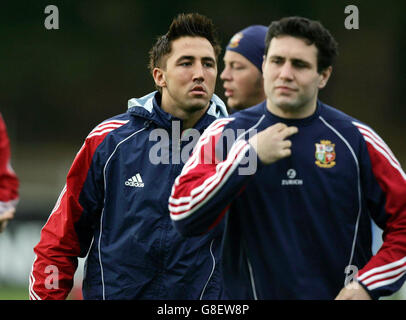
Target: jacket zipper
(252, 280)
(212, 270)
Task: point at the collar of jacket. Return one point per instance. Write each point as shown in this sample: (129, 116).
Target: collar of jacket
(148, 107)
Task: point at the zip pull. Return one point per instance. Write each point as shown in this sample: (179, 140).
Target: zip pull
(147, 124)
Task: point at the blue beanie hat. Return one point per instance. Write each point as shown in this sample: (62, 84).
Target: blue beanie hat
(250, 42)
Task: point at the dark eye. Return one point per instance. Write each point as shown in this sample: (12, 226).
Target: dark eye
(208, 64)
(185, 63)
(300, 64)
(238, 67)
(277, 60)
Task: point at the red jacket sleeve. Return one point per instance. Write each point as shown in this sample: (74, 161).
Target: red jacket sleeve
(8, 179)
(385, 272)
(206, 185)
(59, 247)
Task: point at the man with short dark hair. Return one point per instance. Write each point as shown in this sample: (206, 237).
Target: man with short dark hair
(242, 74)
(113, 208)
(302, 220)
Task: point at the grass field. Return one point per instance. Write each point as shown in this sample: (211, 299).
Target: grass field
(21, 293)
(13, 293)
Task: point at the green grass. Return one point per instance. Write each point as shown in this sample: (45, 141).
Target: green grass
(21, 293)
(14, 293)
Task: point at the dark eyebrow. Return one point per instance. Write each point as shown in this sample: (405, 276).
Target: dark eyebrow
(276, 56)
(301, 61)
(294, 60)
(185, 58)
(208, 59)
(193, 58)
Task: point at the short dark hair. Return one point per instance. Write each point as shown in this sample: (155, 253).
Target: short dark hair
(312, 32)
(184, 25)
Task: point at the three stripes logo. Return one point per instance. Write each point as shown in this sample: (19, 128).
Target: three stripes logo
(135, 181)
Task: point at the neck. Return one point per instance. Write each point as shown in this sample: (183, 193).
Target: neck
(189, 115)
(190, 120)
(296, 112)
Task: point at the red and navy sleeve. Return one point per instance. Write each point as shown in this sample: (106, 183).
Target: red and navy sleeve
(9, 182)
(385, 189)
(67, 233)
(207, 184)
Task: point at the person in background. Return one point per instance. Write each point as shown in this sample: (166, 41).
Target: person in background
(242, 75)
(9, 182)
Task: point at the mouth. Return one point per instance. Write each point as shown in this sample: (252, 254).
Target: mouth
(198, 90)
(228, 92)
(285, 89)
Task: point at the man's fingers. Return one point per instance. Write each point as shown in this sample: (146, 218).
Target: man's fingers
(283, 129)
(286, 144)
(277, 127)
(270, 144)
(3, 225)
(286, 153)
(288, 131)
(7, 215)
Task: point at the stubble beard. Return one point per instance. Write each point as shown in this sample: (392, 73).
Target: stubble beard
(197, 106)
(292, 105)
(287, 106)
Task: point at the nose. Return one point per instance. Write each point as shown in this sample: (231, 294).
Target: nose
(286, 72)
(198, 74)
(225, 75)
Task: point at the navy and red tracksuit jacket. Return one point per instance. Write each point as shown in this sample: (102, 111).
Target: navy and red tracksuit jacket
(299, 228)
(113, 211)
(9, 182)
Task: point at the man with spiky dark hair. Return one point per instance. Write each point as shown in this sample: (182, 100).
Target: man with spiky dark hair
(113, 207)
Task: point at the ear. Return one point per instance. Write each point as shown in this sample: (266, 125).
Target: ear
(159, 77)
(324, 76)
(263, 63)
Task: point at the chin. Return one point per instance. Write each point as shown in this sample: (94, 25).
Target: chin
(287, 105)
(238, 107)
(198, 105)
(234, 104)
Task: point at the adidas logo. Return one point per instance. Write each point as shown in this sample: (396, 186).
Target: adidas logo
(135, 181)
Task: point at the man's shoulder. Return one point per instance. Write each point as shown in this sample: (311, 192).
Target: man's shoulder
(109, 125)
(337, 117)
(334, 113)
(249, 116)
(108, 133)
(348, 126)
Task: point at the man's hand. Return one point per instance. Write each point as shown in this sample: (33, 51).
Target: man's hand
(353, 291)
(5, 217)
(271, 144)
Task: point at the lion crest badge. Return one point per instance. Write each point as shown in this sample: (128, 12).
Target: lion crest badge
(325, 154)
(235, 40)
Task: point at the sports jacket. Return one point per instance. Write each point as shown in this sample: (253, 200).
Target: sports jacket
(113, 209)
(9, 182)
(299, 228)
